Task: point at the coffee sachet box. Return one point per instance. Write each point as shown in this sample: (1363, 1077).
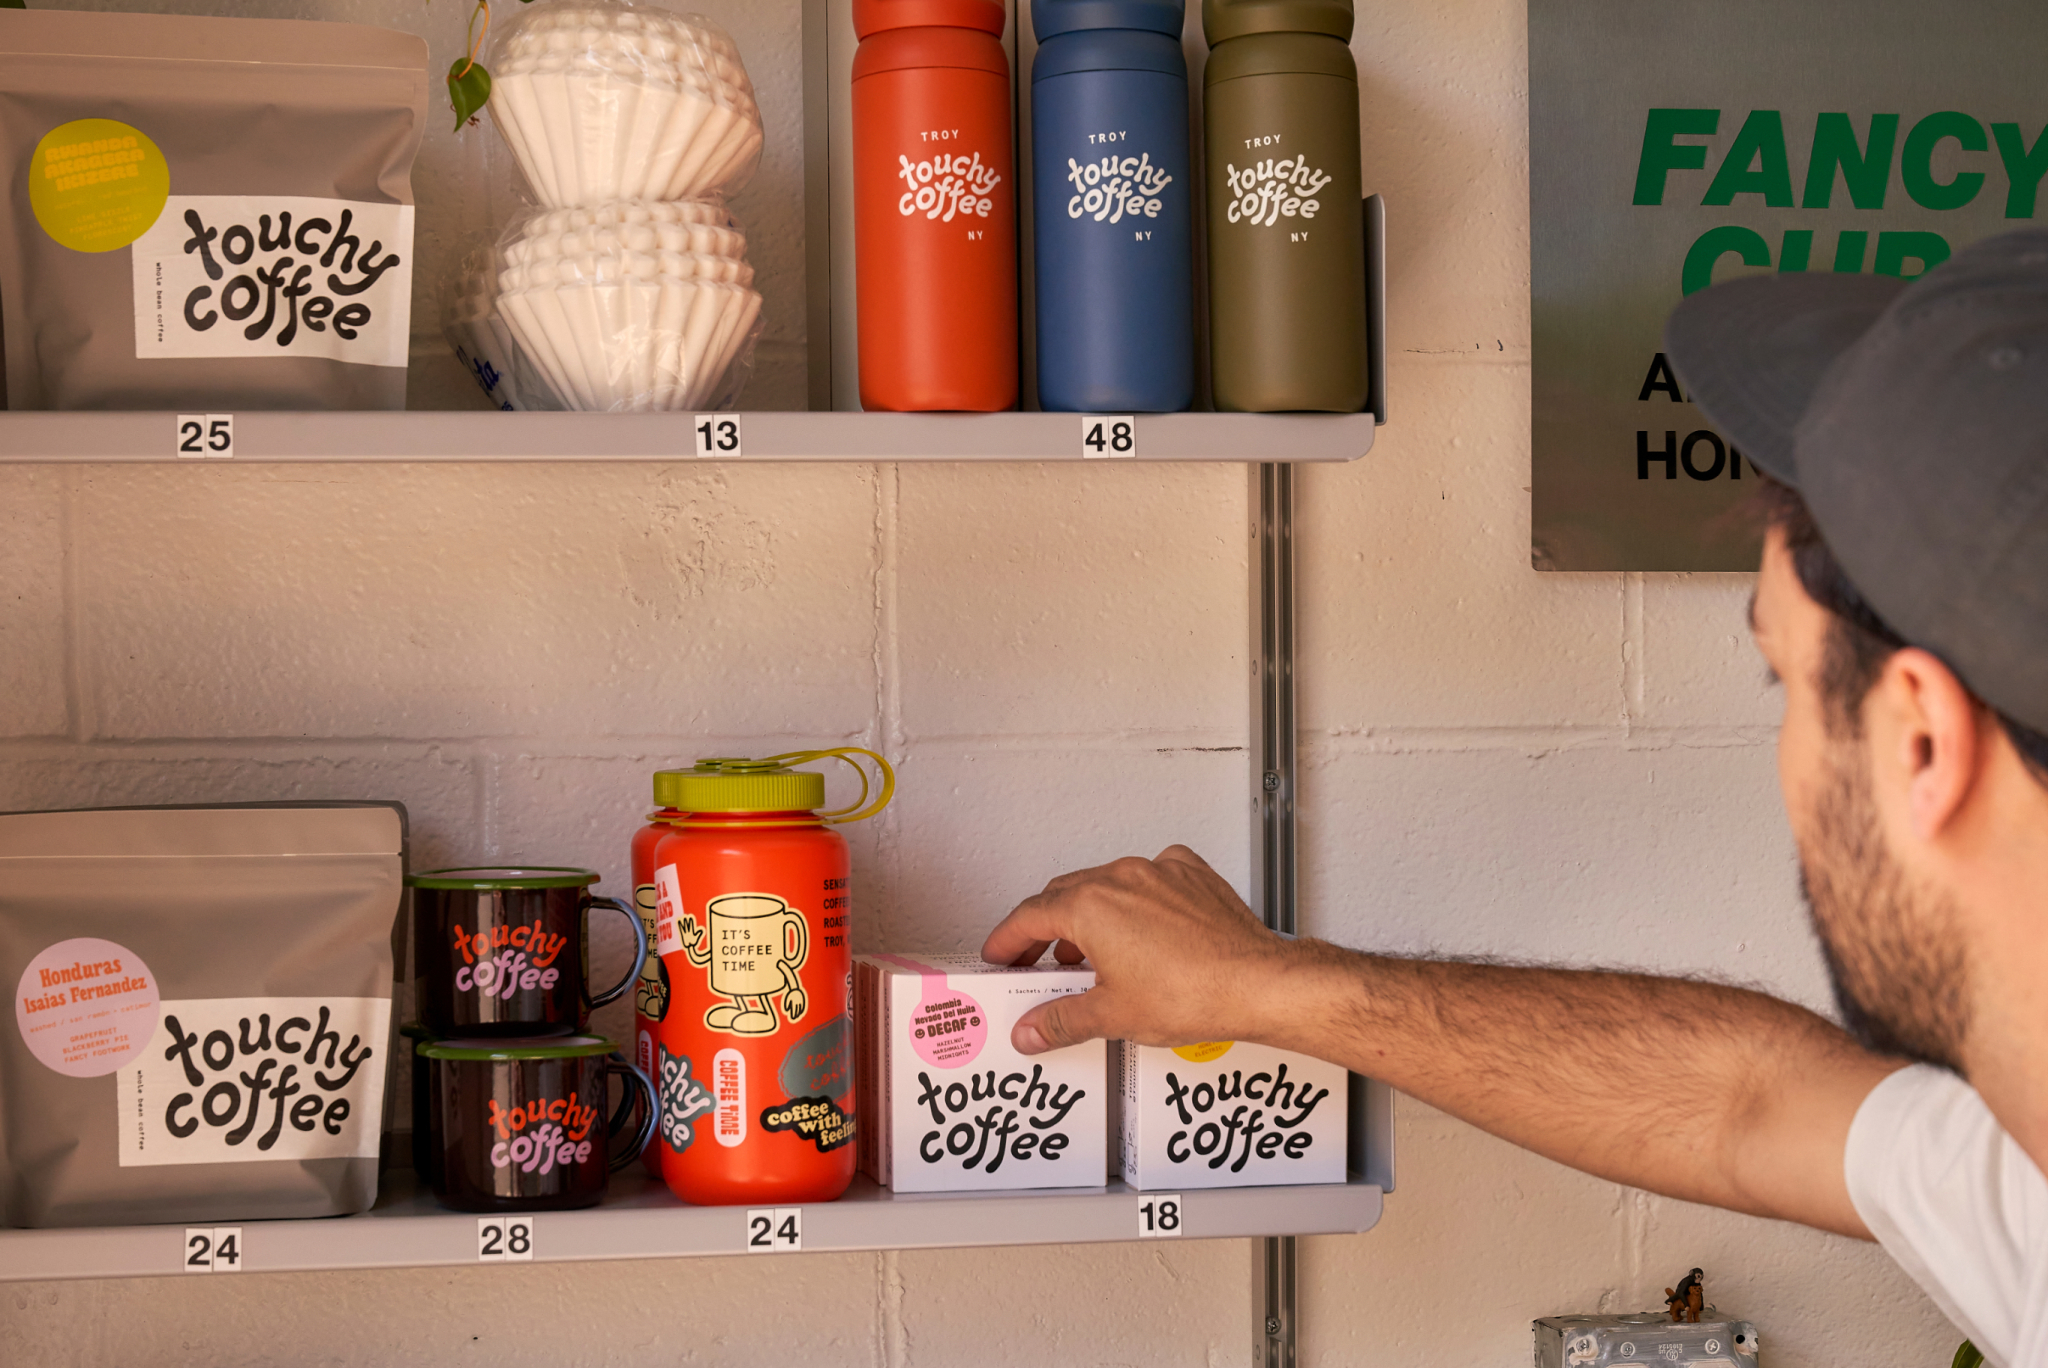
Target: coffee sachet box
(1230, 1114)
(946, 1105)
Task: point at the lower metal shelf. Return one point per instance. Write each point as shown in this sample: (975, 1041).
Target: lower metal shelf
(640, 1220)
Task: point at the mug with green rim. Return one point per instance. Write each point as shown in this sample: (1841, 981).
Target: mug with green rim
(502, 950)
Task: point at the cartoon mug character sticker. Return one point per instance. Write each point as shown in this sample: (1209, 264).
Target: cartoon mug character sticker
(753, 944)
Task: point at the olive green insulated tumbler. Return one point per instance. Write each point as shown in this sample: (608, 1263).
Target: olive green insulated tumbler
(1286, 226)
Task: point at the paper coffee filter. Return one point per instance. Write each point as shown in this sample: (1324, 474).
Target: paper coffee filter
(484, 341)
(616, 313)
(615, 100)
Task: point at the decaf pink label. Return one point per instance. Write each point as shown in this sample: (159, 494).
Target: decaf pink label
(86, 1006)
(948, 1028)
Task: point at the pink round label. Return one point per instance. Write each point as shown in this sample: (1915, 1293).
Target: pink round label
(86, 1006)
(948, 1028)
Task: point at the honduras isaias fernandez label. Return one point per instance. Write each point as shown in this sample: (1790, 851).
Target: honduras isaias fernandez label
(238, 1080)
(275, 275)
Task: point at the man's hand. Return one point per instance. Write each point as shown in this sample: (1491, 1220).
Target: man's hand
(1178, 956)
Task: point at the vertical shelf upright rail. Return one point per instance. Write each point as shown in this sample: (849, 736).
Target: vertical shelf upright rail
(1271, 504)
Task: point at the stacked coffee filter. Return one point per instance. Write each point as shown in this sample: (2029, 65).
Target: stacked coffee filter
(484, 342)
(629, 290)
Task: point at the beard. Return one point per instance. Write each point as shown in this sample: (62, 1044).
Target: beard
(1894, 949)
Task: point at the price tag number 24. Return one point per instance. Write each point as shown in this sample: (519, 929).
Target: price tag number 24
(775, 1230)
(215, 1250)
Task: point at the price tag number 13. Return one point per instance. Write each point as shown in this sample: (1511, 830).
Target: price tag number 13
(718, 434)
(215, 1250)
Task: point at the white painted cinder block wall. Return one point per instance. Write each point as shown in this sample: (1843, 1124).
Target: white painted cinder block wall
(1563, 767)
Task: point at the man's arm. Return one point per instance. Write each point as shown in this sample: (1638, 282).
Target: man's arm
(1695, 1090)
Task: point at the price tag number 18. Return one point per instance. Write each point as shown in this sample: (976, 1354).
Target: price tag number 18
(215, 1250)
(203, 435)
(1159, 1216)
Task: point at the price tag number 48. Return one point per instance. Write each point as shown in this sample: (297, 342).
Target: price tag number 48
(216, 1250)
(775, 1230)
(1159, 1216)
(504, 1237)
(1108, 436)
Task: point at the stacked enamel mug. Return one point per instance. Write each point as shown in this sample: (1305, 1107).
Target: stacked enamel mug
(629, 289)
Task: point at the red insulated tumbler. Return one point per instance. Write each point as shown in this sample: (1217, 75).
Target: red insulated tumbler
(935, 237)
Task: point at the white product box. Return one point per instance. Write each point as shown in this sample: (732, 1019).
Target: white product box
(946, 1105)
(1230, 1114)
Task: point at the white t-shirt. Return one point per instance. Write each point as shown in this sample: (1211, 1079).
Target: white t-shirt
(1961, 1207)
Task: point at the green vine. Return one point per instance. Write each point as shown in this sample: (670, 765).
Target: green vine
(469, 85)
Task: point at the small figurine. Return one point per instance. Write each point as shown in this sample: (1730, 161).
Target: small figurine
(1686, 1299)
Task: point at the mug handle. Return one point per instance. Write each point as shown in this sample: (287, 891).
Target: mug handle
(803, 939)
(638, 1089)
(619, 989)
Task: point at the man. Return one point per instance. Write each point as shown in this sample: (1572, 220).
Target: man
(1903, 603)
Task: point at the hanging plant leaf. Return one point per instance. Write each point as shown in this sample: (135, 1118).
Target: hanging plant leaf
(469, 87)
(1967, 1356)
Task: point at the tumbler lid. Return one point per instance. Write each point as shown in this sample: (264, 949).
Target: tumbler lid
(1226, 19)
(873, 16)
(494, 879)
(1051, 17)
(668, 787)
(542, 1047)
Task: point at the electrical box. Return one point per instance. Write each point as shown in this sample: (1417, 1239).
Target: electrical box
(1650, 1337)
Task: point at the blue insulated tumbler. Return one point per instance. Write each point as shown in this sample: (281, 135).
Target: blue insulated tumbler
(1109, 140)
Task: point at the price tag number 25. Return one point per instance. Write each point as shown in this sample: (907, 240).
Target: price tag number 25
(775, 1230)
(203, 435)
(216, 1250)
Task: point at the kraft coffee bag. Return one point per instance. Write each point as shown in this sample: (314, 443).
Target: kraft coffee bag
(206, 212)
(202, 1011)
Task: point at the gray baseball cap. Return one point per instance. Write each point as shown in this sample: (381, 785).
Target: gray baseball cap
(1913, 418)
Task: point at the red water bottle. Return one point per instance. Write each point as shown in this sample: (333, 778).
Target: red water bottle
(934, 206)
(754, 1059)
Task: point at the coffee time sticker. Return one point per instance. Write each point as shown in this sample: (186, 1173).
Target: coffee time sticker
(85, 1007)
(1679, 145)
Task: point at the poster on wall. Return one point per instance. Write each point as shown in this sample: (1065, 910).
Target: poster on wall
(1679, 144)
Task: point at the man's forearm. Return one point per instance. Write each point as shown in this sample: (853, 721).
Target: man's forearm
(1695, 1090)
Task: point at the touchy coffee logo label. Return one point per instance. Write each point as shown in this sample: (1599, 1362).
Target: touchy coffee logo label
(982, 1137)
(1271, 1109)
(1274, 188)
(507, 959)
(227, 1080)
(276, 275)
(682, 1098)
(950, 185)
(1112, 189)
(541, 1135)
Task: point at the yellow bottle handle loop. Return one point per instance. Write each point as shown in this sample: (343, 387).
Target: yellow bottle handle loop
(860, 809)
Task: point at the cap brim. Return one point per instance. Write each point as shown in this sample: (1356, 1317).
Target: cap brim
(1752, 352)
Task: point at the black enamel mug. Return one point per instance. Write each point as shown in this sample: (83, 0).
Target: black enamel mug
(503, 952)
(523, 1125)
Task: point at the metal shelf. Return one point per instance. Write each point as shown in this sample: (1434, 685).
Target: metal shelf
(74, 438)
(640, 1220)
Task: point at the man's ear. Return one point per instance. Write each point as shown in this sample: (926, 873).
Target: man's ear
(1934, 729)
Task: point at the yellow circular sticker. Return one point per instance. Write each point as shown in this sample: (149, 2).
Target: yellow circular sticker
(97, 184)
(1205, 1051)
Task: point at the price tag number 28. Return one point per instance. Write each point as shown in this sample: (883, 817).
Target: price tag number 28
(216, 1250)
(775, 1230)
(718, 434)
(202, 435)
(504, 1237)
(1159, 1216)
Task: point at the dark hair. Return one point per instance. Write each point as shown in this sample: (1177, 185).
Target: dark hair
(1859, 640)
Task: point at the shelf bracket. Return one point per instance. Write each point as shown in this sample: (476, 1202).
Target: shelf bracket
(1271, 505)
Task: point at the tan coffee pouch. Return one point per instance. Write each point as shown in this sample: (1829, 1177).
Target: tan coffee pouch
(206, 213)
